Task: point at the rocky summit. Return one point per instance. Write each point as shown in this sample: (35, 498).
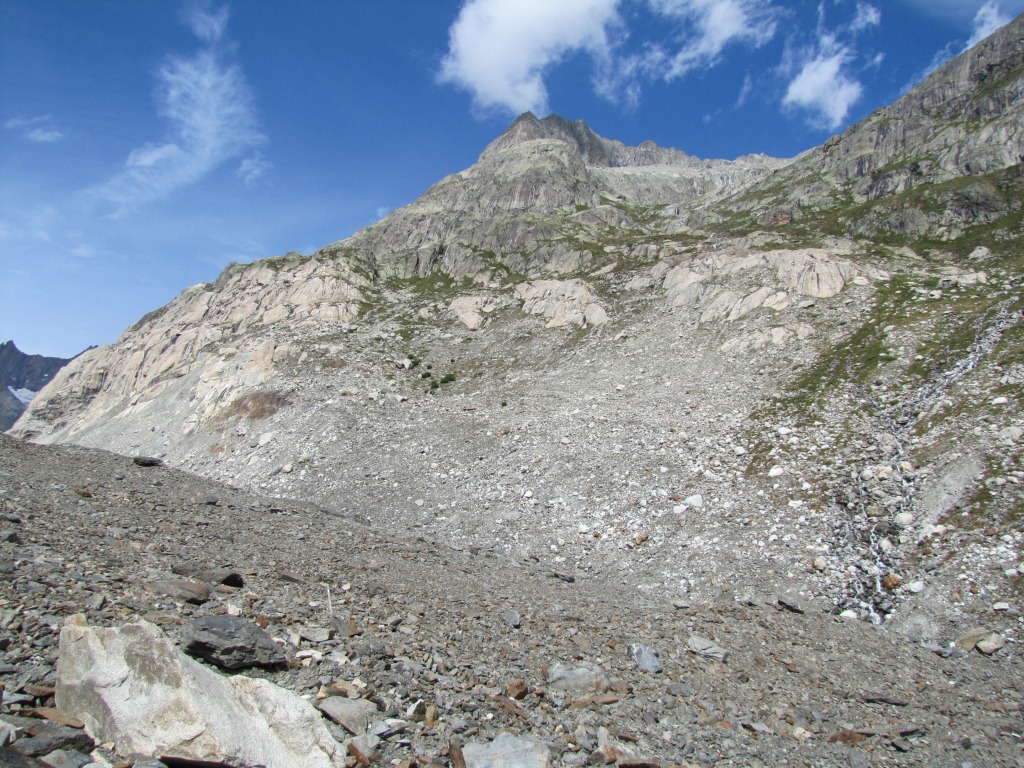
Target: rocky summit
(593, 454)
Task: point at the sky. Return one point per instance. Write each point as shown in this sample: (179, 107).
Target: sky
(145, 146)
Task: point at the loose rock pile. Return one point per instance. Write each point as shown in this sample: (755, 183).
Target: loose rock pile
(417, 652)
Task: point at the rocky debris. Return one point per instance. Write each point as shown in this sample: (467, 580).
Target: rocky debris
(427, 668)
(132, 688)
(230, 642)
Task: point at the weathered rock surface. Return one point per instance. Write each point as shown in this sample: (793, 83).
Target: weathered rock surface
(131, 687)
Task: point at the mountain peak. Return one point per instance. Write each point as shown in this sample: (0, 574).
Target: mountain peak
(593, 149)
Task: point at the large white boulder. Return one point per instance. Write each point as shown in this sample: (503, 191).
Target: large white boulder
(132, 687)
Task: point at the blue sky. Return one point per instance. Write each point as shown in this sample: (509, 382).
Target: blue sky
(144, 146)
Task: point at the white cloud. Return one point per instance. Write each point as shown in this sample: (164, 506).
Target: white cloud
(822, 88)
(38, 129)
(44, 135)
(498, 50)
(210, 115)
(501, 50)
(987, 20)
(706, 27)
(252, 168)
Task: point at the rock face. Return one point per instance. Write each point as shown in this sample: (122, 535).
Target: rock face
(130, 686)
(21, 377)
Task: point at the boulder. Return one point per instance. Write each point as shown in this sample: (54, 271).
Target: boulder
(230, 642)
(133, 688)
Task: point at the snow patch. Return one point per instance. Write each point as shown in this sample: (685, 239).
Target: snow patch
(24, 395)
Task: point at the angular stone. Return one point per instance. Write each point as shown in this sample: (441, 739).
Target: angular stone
(645, 657)
(364, 748)
(183, 589)
(132, 687)
(63, 758)
(351, 714)
(511, 618)
(706, 648)
(791, 603)
(991, 643)
(506, 751)
(583, 678)
(9, 758)
(211, 574)
(230, 642)
(53, 736)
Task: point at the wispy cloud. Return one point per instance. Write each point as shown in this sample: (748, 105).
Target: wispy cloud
(499, 50)
(253, 168)
(987, 20)
(41, 130)
(703, 29)
(210, 115)
(866, 16)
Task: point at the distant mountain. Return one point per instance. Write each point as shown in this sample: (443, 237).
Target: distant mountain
(21, 377)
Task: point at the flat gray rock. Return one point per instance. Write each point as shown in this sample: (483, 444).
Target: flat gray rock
(183, 589)
(583, 678)
(351, 714)
(507, 751)
(706, 648)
